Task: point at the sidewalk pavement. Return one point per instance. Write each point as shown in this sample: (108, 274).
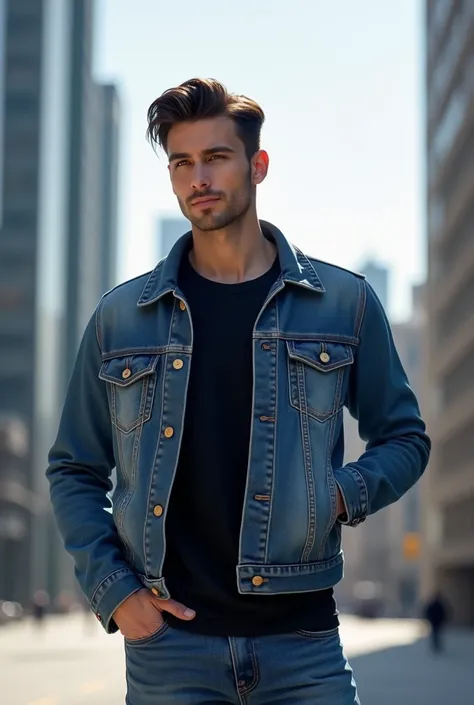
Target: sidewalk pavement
(412, 675)
(73, 662)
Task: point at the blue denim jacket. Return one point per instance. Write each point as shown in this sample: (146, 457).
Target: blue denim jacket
(321, 341)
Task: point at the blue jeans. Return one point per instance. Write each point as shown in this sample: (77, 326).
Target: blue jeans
(177, 668)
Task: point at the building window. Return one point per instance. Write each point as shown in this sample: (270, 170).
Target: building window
(447, 59)
(457, 452)
(21, 220)
(458, 243)
(22, 103)
(447, 130)
(460, 379)
(438, 16)
(457, 312)
(436, 212)
(458, 521)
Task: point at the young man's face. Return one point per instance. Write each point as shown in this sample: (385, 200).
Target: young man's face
(210, 172)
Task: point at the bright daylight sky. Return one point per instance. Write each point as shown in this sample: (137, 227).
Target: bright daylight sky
(341, 84)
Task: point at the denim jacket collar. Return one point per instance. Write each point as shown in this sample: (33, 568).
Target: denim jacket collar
(295, 267)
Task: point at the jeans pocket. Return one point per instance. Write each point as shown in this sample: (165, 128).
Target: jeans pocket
(317, 635)
(143, 641)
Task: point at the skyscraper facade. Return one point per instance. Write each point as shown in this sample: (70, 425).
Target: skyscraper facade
(109, 139)
(449, 497)
(35, 113)
(2, 94)
(169, 229)
(51, 267)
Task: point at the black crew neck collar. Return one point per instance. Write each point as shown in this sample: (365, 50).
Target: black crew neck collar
(188, 271)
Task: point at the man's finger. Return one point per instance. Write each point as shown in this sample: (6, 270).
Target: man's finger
(176, 608)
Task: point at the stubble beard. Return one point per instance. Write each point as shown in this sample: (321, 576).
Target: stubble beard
(210, 221)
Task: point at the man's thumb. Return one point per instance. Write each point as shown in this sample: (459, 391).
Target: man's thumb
(177, 609)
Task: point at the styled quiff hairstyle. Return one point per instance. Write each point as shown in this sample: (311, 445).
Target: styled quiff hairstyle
(201, 98)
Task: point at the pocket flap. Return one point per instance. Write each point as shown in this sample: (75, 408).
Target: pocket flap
(127, 370)
(320, 355)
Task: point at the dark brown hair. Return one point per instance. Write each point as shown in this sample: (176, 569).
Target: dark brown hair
(201, 98)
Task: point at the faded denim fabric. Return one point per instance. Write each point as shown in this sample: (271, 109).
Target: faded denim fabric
(320, 342)
(176, 667)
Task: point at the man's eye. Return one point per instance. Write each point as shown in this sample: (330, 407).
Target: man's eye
(183, 162)
(216, 156)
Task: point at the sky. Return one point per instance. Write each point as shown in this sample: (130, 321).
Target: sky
(341, 84)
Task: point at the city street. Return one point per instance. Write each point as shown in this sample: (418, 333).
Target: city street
(72, 662)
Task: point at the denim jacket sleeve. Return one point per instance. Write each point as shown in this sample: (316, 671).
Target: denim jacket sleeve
(388, 415)
(80, 465)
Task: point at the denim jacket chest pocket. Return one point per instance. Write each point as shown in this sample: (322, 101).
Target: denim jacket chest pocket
(131, 383)
(316, 373)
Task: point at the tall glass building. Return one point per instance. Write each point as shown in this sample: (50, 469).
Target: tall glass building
(51, 257)
(449, 487)
(170, 229)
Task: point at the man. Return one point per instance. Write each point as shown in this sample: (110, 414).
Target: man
(215, 385)
(436, 615)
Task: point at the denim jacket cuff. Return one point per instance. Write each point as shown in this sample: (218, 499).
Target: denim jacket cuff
(111, 593)
(354, 493)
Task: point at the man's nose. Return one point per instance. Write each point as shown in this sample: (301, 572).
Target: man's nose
(200, 178)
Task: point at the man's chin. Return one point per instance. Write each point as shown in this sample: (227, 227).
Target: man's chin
(208, 224)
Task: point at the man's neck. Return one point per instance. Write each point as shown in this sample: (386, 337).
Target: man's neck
(232, 255)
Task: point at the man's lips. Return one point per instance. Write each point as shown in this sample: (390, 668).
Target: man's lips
(205, 201)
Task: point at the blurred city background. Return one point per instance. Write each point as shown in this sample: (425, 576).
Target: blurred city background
(370, 129)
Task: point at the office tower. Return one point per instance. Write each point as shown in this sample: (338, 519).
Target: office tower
(109, 134)
(2, 95)
(34, 107)
(449, 487)
(51, 264)
(169, 229)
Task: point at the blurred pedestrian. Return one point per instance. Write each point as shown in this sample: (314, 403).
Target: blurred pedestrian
(215, 384)
(436, 614)
(40, 603)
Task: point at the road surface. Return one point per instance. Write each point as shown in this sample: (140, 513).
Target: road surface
(73, 662)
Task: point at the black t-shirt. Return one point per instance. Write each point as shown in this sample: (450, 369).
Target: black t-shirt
(205, 512)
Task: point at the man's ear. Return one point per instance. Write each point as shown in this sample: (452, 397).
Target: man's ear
(259, 166)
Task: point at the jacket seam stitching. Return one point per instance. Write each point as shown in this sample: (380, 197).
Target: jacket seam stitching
(125, 571)
(363, 488)
(360, 316)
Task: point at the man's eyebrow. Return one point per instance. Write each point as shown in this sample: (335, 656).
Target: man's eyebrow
(218, 149)
(174, 156)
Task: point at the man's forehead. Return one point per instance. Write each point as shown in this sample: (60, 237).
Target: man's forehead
(202, 135)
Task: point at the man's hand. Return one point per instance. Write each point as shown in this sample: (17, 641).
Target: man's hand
(141, 614)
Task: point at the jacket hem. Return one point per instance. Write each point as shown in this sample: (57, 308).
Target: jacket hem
(261, 579)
